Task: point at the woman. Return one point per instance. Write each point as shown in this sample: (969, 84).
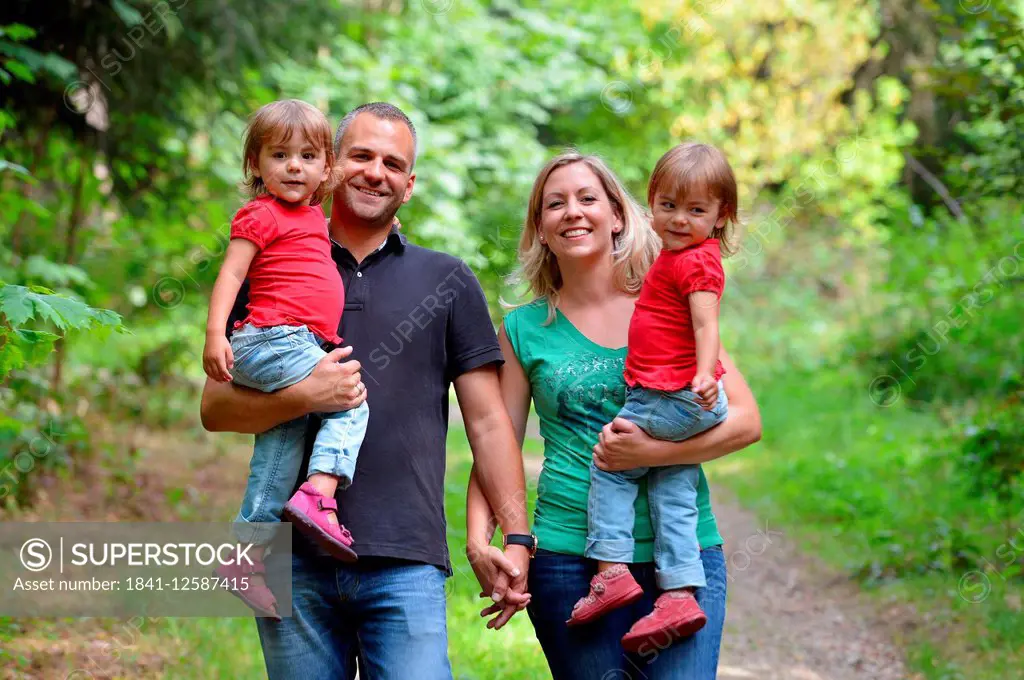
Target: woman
(585, 248)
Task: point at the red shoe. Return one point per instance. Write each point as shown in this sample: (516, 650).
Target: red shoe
(676, 615)
(308, 510)
(257, 595)
(610, 589)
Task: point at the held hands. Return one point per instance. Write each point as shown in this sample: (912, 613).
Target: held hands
(706, 387)
(502, 578)
(218, 359)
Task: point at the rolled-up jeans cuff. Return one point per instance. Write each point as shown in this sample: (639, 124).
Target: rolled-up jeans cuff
(681, 576)
(257, 533)
(342, 467)
(610, 550)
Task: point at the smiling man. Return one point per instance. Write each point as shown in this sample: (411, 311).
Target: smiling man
(421, 318)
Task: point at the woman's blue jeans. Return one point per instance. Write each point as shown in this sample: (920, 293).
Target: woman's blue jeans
(594, 651)
(270, 359)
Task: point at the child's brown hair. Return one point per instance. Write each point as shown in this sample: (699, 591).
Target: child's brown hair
(277, 122)
(693, 167)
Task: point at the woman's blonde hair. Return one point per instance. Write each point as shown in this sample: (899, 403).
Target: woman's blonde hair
(634, 247)
(694, 167)
(277, 122)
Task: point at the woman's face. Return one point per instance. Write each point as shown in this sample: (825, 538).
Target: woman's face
(577, 219)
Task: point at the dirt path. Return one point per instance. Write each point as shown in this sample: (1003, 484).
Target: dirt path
(788, 617)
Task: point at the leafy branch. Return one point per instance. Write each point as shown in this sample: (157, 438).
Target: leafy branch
(36, 305)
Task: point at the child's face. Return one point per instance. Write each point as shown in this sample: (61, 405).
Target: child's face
(292, 170)
(686, 220)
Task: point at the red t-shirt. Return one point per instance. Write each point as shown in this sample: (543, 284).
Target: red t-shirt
(292, 280)
(662, 350)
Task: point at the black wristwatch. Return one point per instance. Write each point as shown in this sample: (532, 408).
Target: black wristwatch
(527, 540)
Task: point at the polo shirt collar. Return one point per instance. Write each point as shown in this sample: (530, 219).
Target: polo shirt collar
(395, 238)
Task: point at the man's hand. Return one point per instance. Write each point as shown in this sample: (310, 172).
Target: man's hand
(218, 359)
(334, 386)
(621, 446)
(706, 387)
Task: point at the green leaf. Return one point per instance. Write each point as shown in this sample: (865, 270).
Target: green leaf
(17, 32)
(15, 304)
(34, 345)
(20, 71)
(129, 15)
(19, 304)
(14, 167)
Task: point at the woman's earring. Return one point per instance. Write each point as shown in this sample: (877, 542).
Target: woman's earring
(542, 241)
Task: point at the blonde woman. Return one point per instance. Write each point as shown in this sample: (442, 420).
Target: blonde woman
(585, 249)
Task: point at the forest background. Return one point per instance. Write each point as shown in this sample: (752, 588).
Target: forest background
(875, 305)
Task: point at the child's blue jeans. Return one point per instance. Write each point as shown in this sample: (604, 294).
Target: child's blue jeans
(671, 490)
(270, 359)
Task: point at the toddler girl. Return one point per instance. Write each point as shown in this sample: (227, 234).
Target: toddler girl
(674, 392)
(280, 242)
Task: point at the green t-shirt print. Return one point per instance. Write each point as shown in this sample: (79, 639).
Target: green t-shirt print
(578, 388)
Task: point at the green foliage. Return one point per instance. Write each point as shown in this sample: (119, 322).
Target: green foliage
(980, 76)
(21, 305)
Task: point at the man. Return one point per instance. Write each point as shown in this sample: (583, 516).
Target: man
(418, 321)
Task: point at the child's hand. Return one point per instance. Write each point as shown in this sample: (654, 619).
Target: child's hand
(218, 358)
(706, 388)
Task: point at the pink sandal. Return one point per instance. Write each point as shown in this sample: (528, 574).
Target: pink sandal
(258, 596)
(609, 590)
(308, 510)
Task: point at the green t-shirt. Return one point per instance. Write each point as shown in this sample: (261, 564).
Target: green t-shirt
(578, 388)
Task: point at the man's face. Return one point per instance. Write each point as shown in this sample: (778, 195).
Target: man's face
(376, 161)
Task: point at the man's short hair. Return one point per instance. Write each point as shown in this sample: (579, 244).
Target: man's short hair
(381, 110)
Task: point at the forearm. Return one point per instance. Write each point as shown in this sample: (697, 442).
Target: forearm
(704, 316)
(229, 281)
(707, 342)
(740, 429)
(499, 473)
(480, 522)
(225, 290)
(229, 408)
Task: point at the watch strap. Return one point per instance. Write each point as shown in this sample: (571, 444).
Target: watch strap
(527, 540)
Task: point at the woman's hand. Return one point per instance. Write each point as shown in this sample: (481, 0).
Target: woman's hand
(622, 446)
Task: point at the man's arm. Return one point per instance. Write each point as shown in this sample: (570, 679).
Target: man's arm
(497, 461)
(332, 386)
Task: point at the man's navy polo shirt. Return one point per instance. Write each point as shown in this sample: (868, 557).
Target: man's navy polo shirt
(416, 319)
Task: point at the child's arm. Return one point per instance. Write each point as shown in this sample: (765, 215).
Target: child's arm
(217, 356)
(704, 313)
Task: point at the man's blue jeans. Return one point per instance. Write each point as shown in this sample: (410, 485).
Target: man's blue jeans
(594, 651)
(671, 490)
(270, 359)
(388, 614)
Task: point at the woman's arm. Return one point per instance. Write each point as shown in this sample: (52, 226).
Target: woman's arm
(493, 569)
(622, 445)
(332, 386)
(515, 392)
